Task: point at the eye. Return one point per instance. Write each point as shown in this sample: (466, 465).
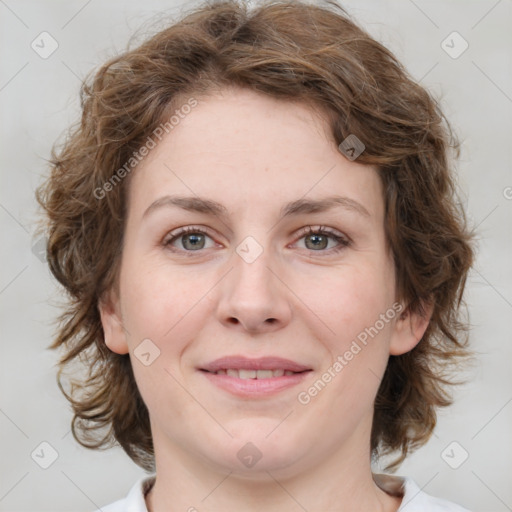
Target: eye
(317, 239)
(192, 239)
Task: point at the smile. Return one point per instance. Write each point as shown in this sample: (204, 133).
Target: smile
(254, 378)
(254, 374)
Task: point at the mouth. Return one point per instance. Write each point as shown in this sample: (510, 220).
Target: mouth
(252, 378)
(253, 374)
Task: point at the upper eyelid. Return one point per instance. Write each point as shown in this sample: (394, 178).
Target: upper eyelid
(320, 228)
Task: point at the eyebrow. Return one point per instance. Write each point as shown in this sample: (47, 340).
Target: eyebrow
(297, 207)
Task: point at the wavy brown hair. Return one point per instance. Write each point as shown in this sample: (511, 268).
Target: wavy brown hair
(292, 51)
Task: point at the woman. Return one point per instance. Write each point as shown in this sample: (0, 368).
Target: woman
(256, 222)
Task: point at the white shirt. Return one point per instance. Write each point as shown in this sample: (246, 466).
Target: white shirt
(413, 500)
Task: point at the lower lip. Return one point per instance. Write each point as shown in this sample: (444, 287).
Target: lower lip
(255, 387)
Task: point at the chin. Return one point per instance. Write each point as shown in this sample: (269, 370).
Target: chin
(258, 449)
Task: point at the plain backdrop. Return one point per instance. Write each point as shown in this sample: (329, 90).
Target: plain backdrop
(38, 101)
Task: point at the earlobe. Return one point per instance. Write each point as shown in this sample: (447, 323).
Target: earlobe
(409, 329)
(111, 320)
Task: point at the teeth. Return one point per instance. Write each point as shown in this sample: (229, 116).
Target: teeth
(247, 374)
(264, 374)
(254, 374)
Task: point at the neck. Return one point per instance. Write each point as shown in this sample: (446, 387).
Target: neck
(341, 482)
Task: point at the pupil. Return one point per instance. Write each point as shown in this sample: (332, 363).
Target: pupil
(194, 240)
(316, 244)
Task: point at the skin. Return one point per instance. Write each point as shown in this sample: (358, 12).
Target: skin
(253, 154)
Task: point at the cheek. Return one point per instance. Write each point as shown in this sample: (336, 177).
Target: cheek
(157, 302)
(350, 301)
(166, 310)
(363, 320)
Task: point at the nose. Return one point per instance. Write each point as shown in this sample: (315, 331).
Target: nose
(254, 296)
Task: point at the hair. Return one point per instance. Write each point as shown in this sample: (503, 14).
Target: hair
(293, 51)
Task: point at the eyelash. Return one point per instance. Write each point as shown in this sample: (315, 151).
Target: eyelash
(343, 241)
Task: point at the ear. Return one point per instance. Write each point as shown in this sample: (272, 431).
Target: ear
(111, 320)
(409, 329)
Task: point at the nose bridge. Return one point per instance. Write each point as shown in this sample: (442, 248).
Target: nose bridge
(252, 261)
(252, 295)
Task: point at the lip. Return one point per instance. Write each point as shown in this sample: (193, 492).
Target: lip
(261, 363)
(254, 388)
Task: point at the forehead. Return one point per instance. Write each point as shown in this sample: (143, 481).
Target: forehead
(242, 145)
(245, 122)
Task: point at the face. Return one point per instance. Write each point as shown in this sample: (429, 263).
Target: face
(253, 266)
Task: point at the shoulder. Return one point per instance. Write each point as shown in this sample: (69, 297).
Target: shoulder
(134, 501)
(413, 498)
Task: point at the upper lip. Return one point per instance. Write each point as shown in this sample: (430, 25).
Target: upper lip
(262, 363)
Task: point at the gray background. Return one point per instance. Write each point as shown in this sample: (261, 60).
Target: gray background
(39, 99)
